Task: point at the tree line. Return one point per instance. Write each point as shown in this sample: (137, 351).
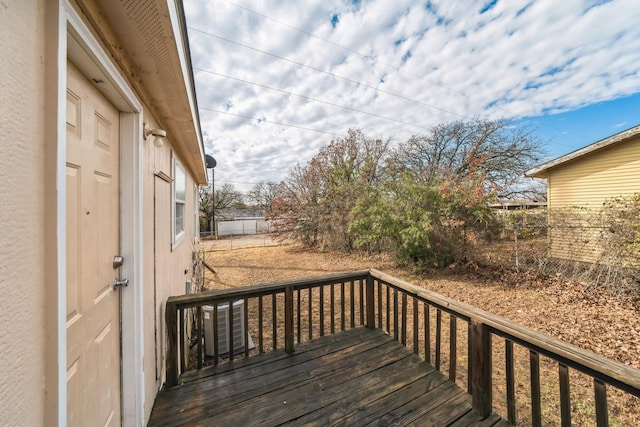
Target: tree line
(413, 200)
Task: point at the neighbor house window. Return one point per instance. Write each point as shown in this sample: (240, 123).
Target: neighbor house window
(179, 201)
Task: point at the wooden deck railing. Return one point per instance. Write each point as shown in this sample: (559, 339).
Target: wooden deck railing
(413, 316)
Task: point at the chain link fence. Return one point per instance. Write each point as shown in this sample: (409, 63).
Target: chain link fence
(583, 249)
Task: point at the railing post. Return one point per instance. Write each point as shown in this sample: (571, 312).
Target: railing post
(371, 312)
(171, 314)
(480, 360)
(288, 320)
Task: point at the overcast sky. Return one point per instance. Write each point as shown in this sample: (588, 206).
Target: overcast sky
(276, 80)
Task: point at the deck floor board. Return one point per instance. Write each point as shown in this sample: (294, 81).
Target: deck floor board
(357, 377)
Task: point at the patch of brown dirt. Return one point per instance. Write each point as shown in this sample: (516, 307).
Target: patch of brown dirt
(249, 266)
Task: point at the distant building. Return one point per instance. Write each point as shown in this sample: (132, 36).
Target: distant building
(518, 204)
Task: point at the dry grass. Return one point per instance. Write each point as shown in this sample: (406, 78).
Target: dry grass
(605, 323)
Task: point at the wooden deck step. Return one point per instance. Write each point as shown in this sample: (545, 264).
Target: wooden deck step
(358, 377)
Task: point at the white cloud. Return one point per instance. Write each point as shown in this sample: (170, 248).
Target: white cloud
(517, 59)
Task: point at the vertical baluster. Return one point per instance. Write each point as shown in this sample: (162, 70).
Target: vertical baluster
(469, 350)
(536, 406)
(379, 305)
(438, 336)
(511, 381)
(565, 396)
(352, 304)
(371, 303)
(184, 355)
(245, 313)
(388, 310)
(415, 326)
(230, 331)
(321, 310)
(288, 320)
(404, 319)
(298, 315)
(453, 343)
(361, 302)
(342, 314)
(427, 333)
(333, 311)
(602, 413)
(395, 314)
(260, 327)
(200, 324)
(274, 320)
(310, 313)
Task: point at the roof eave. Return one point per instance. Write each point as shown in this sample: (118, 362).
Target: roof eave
(153, 50)
(542, 171)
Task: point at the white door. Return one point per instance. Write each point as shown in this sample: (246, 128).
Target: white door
(93, 306)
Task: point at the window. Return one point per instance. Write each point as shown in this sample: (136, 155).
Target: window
(179, 202)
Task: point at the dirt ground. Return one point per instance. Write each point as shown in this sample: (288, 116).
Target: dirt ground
(597, 320)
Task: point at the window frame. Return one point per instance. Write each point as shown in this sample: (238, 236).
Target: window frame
(178, 235)
(196, 215)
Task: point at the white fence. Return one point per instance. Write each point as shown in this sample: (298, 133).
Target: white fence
(243, 226)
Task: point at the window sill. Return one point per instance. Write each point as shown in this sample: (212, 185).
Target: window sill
(177, 240)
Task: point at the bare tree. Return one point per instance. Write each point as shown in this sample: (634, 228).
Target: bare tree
(262, 195)
(226, 197)
(295, 210)
(489, 149)
(416, 200)
(315, 201)
(439, 184)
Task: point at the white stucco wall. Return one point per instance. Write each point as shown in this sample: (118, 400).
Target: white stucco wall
(22, 188)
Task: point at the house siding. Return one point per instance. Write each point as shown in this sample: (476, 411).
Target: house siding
(23, 256)
(167, 268)
(582, 186)
(31, 245)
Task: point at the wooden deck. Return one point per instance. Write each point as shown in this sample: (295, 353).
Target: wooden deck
(360, 377)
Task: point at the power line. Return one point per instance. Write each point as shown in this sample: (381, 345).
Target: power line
(300, 64)
(355, 82)
(246, 183)
(271, 121)
(344, 107)
(369, 58)
(347, 49)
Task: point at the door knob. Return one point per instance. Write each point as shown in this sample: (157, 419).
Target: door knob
(117, 261)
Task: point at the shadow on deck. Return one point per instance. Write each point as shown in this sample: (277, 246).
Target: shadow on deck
(358, 377)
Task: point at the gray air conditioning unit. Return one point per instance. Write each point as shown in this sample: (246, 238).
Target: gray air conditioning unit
(223, 329)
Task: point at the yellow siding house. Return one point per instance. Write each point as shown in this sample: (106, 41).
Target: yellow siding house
(577, 186)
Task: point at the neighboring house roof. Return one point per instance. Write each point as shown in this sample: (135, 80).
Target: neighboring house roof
(153, 50)
(543, 170)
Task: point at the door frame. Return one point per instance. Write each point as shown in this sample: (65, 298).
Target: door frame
(75, 41)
